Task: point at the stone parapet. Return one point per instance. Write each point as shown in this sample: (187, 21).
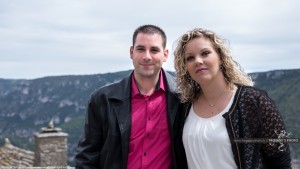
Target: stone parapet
(50, 147)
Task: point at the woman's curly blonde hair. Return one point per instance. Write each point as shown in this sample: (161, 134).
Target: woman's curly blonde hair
(189, 89)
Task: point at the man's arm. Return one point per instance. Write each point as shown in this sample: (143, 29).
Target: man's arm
(90, 143)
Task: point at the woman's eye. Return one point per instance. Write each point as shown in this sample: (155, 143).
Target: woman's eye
(189, 58)
(205, 53)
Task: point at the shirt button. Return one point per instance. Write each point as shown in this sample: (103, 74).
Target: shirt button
(145, 154)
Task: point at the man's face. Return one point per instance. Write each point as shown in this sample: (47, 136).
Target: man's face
(148, 55)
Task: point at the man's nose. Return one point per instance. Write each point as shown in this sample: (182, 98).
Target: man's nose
(147, 55)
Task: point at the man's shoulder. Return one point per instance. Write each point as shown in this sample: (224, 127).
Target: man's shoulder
(171, 80)
(113, 89)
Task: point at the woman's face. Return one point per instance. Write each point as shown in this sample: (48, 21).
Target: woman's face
(201, 60)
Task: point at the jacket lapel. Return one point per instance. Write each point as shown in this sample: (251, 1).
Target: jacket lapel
(172, 99)
(122, 109)
(172, 107)
(123, 114)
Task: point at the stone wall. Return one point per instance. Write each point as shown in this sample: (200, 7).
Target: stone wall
(11, 155)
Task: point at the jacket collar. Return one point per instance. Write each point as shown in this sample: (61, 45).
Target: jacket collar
(126, 85)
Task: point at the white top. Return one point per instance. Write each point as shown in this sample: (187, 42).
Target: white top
(206, 141)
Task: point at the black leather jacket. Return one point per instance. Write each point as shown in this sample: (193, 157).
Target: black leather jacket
(253, 115)
(105, 141)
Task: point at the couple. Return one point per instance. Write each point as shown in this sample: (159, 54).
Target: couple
(152, 120)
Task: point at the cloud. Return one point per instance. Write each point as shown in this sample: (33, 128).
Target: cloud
(59, 37)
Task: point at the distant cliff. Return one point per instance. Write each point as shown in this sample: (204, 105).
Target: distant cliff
(28, 105)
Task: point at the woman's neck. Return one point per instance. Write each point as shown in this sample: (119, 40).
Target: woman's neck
(213, 90)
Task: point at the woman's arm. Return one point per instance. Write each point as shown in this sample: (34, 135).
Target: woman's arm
(276, 152)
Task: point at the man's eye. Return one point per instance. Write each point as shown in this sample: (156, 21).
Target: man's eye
(155, 50)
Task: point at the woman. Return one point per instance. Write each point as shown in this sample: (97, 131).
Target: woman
(227, 121)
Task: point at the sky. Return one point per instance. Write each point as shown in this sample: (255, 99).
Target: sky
(40, 38)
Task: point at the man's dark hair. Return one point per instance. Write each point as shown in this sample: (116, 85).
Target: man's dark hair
(150, 29)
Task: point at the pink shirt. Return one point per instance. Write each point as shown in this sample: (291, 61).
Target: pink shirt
(150, 144)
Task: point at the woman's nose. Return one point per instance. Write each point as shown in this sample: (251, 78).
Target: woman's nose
(198, 60)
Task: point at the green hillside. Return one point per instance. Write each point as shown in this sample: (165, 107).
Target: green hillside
(28, 105)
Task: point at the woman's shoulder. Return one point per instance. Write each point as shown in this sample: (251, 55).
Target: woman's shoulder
(253, 93)
(251, 90)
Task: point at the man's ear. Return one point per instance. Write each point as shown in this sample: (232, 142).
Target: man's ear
(166, 55)
(131, 51)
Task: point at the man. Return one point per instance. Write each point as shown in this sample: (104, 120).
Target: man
(132, 123)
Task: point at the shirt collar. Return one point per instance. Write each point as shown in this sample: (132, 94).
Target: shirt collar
(159, 85)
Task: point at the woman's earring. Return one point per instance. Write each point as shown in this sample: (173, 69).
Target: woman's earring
(189, 77)
(222, 68)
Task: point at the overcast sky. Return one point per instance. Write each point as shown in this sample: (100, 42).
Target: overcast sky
(41, 38)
